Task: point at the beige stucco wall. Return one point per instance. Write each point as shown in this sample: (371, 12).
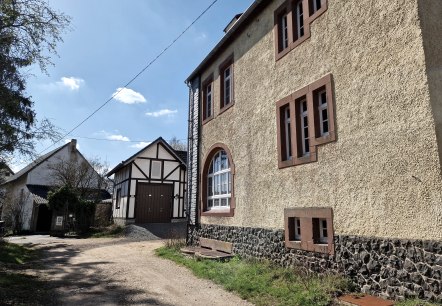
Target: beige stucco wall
(383, 175)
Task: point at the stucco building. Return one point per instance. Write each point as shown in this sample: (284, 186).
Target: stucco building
(315, 138)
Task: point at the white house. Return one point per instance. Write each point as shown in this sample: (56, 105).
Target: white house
(30, 187)
(150, 185)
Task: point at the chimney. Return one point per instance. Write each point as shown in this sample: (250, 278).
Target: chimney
(73, 145)
(232, 23)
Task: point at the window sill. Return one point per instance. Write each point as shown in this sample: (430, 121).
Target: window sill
(207, 120)
(229, 212)
(223, 109)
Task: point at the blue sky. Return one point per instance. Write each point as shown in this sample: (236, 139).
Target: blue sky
(111, 41)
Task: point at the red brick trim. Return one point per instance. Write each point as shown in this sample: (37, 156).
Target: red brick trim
(228, 62)
(207, 81)
(308, 92)
(289, 6)
(206, 163)
(307, 218)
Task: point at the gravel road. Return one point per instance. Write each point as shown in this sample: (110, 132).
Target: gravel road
(120, 271)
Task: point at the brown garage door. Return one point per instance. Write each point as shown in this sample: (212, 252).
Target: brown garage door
(153, 203)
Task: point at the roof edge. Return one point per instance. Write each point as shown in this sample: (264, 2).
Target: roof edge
(253, 9)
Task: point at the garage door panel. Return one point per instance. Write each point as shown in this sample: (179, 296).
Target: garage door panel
(153, 203)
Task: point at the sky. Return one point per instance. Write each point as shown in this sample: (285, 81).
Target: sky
(108, 43)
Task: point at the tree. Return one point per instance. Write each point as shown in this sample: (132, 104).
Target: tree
(177, 144)
(14, 212)
(29, 33)
(86, 178)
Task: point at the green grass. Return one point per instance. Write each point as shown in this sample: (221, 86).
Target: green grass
(112, 231)
(262, 283)
(415, 303)
(17, 287)
(15, 254)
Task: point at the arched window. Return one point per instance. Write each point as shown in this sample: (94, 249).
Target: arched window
(217, 198)
(219, 182)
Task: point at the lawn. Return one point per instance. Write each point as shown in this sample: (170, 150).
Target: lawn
(262, 283)
(17, 287)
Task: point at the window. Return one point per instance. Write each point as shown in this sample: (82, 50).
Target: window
(292, 23)
(309, 229)
(156, 169)
(217, 183)
(299, 20)
(207, 99)
(315, 5)
(286, 132)
(226, 80)
(310, 124)
(322, 110)
(303, 131)
(118, 199)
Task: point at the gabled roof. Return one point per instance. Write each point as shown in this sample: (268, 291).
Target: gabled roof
(177, 154)
(33, 164)
(239, 26)
(40, 193)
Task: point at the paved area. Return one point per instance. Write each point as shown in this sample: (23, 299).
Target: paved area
(119, 271)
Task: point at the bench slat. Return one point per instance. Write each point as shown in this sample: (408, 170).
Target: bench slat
(216, 245)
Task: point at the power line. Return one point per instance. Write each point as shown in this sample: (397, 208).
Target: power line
(117, 140)
(132, 79)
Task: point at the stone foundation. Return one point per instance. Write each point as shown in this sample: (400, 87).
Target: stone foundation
(390, 268)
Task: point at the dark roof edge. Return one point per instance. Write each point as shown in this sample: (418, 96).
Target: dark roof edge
(127, 161)
(242, 21)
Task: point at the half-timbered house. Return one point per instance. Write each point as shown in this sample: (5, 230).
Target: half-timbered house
(150, 185)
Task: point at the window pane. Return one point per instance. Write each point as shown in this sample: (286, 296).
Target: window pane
(224, 161)
(215, 202)
(211, 168)
(324, 114)
(210, 186)
(325, 127)
(230, 183)
(305, 132)
(305, 121)
(307, 147)
(210, 203)
(304, 106)
(223, 202)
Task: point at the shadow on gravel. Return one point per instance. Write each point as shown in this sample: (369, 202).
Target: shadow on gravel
(84, 284)
(156, 231)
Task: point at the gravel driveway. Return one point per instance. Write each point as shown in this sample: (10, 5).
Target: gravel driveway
(120, 271)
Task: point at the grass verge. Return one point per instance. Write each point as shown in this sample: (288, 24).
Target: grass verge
(17, 287)
(262, 283)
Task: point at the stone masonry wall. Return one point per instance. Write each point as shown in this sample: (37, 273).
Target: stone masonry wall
(390, 268)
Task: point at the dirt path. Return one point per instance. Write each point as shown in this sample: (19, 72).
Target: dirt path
(120, 272)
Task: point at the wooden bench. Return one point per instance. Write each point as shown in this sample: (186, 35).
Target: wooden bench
(210, 249)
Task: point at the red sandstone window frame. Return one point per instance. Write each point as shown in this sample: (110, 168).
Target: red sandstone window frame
(310, 239)
(230, 211)
(289, 8)
(309, 93)
(227, 63)
(208, 81)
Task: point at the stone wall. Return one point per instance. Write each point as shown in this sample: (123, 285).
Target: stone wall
(390, 268)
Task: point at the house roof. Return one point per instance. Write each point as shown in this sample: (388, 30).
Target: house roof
(179, 155)
(248, 16)
(33, 164)
(40, 193)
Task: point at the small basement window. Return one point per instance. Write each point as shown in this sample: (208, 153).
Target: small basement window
(309, 229)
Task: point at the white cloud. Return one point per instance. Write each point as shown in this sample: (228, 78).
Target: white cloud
(140, 145)
(162, 112)
(128, 96)
(71, 83)
(118, 137)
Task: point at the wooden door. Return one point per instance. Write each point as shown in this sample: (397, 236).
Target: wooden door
(153, 203)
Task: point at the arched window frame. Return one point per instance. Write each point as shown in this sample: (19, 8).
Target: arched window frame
(218, 211)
